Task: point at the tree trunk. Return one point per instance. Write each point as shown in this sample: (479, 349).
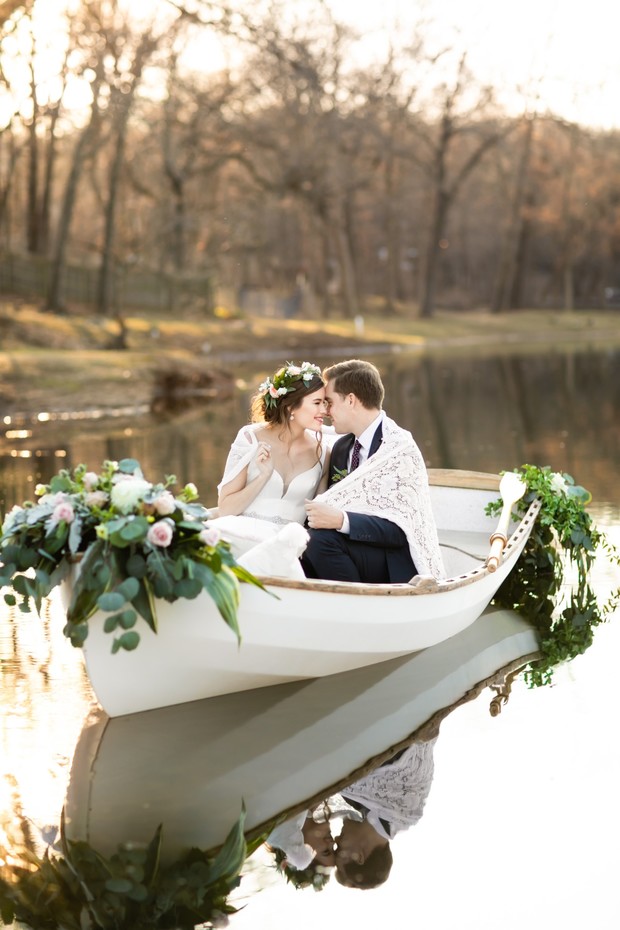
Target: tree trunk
(33, 216)
(429, 273)
(505, 283)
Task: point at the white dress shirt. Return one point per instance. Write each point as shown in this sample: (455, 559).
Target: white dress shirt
(365, 441)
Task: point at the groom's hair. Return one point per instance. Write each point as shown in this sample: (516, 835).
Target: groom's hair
(371, 873)
(357, 377)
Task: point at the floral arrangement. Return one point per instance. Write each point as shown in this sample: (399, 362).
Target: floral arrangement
(135, 541)
(564, 542)
(74, 886)
(286, 380)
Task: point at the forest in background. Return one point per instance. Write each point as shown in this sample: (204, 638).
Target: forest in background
(294, 170)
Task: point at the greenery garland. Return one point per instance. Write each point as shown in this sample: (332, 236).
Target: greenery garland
(564, 542)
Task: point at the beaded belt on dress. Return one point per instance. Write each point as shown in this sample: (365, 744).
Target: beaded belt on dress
(260, 516)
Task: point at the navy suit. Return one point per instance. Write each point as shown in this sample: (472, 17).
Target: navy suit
(375, 550)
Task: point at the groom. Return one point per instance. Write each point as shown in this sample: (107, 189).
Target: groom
(345, 545)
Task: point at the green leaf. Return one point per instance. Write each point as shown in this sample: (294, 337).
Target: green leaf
(229, 861)
(188, 588)
(128, 641)
(129, 466)
(224, 590)
(76, 633)
(111, 600)
(136, 566)
(144, 602)
(127, 619)
(10, 599)
(110, 623)
(119, 885)
(88, 587)
(129, 588)
(153, 852)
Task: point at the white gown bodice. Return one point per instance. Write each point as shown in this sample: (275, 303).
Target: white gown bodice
(274, 506)
(278, 504)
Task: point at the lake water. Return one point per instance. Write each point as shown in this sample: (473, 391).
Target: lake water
(522, 818)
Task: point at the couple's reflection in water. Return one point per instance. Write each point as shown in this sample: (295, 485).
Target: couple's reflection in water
(164, 810)
(369, 813)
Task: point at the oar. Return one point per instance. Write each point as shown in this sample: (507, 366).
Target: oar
(511, 489)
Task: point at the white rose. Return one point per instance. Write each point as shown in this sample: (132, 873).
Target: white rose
(558, 483)
(126, 494)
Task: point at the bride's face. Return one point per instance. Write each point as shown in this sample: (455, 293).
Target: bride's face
(311, 411)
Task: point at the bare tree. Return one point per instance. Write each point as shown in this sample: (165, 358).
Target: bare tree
(446, 169)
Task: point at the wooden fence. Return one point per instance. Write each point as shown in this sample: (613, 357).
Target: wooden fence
(29, 276)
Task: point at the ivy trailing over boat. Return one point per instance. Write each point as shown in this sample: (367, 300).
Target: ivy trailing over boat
(550, 584)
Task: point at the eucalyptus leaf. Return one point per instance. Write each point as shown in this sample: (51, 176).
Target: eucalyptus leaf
(129, 588)
(129, 467)
(128, 641)
(111, 600)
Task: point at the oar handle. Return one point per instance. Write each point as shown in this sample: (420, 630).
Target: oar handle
(498, 542)
(499, 538)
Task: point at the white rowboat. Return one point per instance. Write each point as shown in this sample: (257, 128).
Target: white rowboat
(313, 628)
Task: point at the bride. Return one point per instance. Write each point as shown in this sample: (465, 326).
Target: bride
(276, 462)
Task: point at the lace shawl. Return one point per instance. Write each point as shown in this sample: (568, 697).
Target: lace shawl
(393, 484)
(397, 791)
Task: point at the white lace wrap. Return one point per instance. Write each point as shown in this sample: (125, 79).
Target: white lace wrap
(393, 484)
(396, 792)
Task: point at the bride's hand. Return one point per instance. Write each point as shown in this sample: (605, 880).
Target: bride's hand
(264, 462)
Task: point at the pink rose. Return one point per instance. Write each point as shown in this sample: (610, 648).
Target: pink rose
(63, 511)
(90, 480)
(96, 498)
(164, 504)
(274, 391)
(160, 534)
(210, 536)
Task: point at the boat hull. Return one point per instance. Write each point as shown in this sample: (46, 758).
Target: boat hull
(298, 630)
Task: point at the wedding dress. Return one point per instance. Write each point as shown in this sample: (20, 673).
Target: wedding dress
(275, 507)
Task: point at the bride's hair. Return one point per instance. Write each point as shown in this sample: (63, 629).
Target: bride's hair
(276, 411)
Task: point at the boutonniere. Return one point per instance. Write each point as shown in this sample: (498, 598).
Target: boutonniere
(339, 474)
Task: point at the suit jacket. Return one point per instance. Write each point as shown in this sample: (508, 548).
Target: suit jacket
(339, 459)
(373, 531)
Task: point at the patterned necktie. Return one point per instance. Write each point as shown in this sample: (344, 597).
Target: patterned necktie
(355, 458)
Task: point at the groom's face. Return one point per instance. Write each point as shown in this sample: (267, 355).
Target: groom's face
(340, 409)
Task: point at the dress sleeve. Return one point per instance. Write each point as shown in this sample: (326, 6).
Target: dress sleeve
(241, 453)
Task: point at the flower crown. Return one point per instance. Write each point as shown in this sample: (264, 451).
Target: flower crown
(313, 876)
(286, 380)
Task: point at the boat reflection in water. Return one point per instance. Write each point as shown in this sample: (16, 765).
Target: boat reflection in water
(287, 755)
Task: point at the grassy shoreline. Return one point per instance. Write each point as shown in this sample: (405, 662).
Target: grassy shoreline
(64, 362)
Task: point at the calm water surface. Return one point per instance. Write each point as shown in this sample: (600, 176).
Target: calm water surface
(523, 807)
